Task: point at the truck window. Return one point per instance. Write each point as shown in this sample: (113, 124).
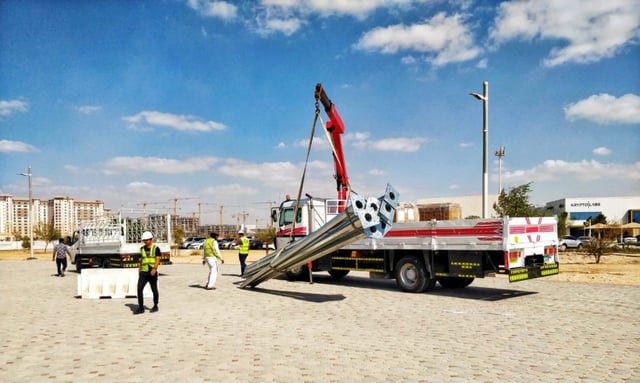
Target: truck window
(286, 216)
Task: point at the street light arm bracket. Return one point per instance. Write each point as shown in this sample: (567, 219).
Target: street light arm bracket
(478, 96)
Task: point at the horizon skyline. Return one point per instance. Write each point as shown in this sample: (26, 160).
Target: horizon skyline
(211, 101)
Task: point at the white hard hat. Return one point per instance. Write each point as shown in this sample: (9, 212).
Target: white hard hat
(147, 235)
(241, 232)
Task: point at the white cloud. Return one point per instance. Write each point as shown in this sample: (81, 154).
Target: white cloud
(355, 8)
(399, 144)
(465, 145)
(12, 106)
(601, 151)
(287, 26)
(443, 38)
(210, 8)
(377, 172)
(88, 109)
(178, 122)
(591, 30)
(579, 171)
(137, 165)
(7, 146)
(606, 109)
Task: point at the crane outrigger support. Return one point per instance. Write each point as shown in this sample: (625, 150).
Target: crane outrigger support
(362, 218)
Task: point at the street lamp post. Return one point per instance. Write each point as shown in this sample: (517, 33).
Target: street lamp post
(30, 218)
(484, 97)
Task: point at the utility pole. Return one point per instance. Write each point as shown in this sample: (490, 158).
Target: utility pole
(30, 212)
(500, 153)
(484, 97)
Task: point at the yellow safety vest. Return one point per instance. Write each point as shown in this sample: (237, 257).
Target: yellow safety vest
(147, 261)
(244, 245)
(209, 249)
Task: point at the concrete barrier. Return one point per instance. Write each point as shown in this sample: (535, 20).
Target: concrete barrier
(110, 283)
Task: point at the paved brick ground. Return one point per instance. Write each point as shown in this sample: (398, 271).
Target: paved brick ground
(359, 330)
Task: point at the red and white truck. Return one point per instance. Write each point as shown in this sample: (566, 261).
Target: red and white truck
(419, 254)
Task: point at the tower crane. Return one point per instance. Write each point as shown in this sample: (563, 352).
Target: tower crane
(175, 203)
(144, 206)
(200, 209)
(270, 203)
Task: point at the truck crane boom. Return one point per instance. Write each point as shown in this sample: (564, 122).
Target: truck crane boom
(335, 127)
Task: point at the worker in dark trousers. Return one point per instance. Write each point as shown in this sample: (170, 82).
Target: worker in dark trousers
(243, 250)
(148, 271)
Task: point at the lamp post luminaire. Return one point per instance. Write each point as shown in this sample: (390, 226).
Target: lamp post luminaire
(30, 220)
(484, 97)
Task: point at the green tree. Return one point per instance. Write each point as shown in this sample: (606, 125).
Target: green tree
(515, 203)
(178, 234)
(267, 236)
(47, 233)
(562, 224)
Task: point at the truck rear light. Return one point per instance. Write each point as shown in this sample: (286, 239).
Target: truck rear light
(514, 256)
(550, 250)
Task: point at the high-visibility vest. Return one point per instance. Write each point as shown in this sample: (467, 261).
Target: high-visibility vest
(209, 249)
(147, 261)
(244, 245)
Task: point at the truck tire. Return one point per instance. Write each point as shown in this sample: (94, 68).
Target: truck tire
(454, 282)
(298, 273)
(412, 276)
(338, 274)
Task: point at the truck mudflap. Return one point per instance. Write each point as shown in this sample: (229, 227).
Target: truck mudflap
(531, 272)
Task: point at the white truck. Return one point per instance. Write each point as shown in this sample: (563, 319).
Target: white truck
(419, 254)
(115, 242)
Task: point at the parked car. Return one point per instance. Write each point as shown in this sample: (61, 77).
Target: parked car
(255, 243)
(188, 241)
(630, 240)
(196, 244)
(569, 242)
(585, 239)
(269, 246)
(226, 243)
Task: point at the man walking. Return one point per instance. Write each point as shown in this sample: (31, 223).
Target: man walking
(60, 251)
(243, 250)
(148, 271)
(210, 256)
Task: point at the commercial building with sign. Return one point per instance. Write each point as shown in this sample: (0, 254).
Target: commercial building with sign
(620, 210)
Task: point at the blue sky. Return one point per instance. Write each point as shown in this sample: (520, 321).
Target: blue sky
(199, 104)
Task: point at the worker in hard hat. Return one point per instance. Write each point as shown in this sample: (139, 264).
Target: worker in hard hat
(243, 250)
(148, 271)
(211, 256)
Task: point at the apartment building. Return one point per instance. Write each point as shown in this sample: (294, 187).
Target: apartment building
(63, 213)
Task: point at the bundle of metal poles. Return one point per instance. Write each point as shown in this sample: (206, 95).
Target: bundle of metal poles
(362, 218)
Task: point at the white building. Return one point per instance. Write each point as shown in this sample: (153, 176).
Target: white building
(616, 209)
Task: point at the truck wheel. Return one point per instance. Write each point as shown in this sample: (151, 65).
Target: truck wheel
(412, 277)
(454, 283)
(298, 273)
(338, 274)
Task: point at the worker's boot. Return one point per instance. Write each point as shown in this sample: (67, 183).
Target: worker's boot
(140, 310)
(154, 308)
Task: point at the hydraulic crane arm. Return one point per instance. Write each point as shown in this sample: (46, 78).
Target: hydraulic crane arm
(335, 127)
